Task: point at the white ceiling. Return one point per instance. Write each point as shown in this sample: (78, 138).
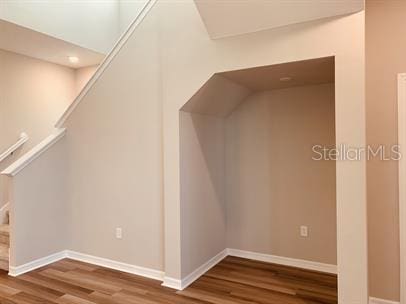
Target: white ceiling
(299, 73)
(21, 40)
(218, 97)
(234, 17)
(225, 91)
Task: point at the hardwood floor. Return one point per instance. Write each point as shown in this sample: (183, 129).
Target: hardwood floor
(234, 280)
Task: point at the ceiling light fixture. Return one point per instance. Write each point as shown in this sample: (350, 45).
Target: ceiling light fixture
(285, 79)
(73, 59)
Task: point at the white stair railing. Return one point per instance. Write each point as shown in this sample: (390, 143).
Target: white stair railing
(23, 138)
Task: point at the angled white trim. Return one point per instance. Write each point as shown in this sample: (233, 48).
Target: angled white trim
(197, 273)
(35, 152)
(309, 265)
(172, 283)
(19, 270)
(124, 267)
(160, 275)
(22, 139)
(402, 182)
(133, 269)
(107, 60)
(381, 301)
(203, 269)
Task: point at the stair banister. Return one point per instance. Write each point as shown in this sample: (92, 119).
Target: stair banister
(31, 155)
(23, 138)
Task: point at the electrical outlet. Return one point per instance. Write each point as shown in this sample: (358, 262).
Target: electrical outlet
(304, 231)
(119, 233)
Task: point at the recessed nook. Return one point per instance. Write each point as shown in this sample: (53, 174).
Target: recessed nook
(248, 183)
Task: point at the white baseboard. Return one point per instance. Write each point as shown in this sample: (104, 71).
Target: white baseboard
(197, 273)
(120, 266)
(137, 270)
(172, 283)
(381, 301)
(309, 265)
(19, 270)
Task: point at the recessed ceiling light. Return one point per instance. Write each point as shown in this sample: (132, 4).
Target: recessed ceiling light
(285, 79)
(73, 59)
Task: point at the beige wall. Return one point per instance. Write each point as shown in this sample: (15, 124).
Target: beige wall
(385, 58)
(204, 218)
(114, 144)
(33, 95)
(249, 176)
(123, 139)
(273, 185)
(82, 76)
(39, 211)
(190, 49)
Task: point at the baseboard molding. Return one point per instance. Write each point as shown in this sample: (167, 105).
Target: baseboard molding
(172, 282)
(133, 269)
(381, 301)
(309, 265)
(120, 266)
(19, 270)
(203, 269)
(197, 273)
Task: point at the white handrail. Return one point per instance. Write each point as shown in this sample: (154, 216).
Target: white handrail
(35, 152)
(107, 60)
(13, 148)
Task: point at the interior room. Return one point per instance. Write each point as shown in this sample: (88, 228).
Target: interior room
(249, 183)
(195, 152)
(37, 84)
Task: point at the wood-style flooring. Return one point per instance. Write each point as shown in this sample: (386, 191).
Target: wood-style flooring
(233, 280)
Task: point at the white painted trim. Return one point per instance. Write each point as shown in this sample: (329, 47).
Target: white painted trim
(124, 267)
(172, 283)
(159, 275)
(197, 273)
(19, 270)
(35, 152)
(203, 269)
(380, 301)
(107, 60)
(23, 138)
(309, 265)
(136, 270)
(402, 182)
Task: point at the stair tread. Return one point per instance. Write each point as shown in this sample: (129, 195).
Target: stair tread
(5, 229)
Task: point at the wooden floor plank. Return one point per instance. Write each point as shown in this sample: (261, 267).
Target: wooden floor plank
(232, 281)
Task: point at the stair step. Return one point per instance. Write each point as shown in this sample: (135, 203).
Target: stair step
(4, 246)
(5, 235)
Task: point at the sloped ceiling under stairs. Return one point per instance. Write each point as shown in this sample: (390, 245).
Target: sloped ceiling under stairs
(225, 18)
